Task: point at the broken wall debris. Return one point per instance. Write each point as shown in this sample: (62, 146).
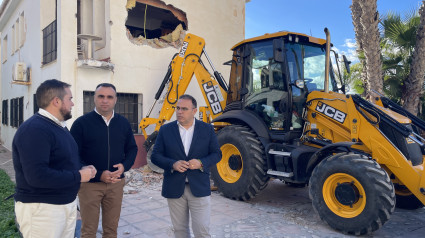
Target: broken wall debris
(154, 23)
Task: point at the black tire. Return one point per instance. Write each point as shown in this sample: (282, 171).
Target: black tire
(406, 199)
(352, 194)
(149, 144)
(241, 173)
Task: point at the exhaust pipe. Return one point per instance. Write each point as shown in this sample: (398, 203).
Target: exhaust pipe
(327, 65)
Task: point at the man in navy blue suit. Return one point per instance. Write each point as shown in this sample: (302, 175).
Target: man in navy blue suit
(186, 149)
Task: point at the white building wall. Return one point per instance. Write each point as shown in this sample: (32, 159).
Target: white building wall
(35, 12)
(141, 68)
(48, 12)
(137, 68)
(67, 43)
(9, 90)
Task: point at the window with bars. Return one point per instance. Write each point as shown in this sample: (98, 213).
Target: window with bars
(49, 43)
(35, 104)
(128, 105)
(4, 115)
(16, 111)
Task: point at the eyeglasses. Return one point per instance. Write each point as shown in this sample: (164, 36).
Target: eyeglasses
(184, 109)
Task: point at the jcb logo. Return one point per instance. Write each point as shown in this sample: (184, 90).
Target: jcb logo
(331, 112)
(212, 97)
(183, 49)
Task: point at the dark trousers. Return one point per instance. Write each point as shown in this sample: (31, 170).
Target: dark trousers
(94, 196)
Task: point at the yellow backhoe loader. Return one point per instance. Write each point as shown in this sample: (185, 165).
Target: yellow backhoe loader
(283, 116)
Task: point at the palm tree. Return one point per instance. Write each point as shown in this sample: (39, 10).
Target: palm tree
(365, 21)
(414, 88)
(356, 12)
(403, 52)
(397, 44)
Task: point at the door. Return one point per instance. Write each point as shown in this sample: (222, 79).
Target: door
(267, 89)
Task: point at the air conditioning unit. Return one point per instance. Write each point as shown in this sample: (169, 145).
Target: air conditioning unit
(19, 72)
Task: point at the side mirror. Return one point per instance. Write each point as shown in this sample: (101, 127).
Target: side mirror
(243, 91)
(228, 63)
(299, 83)
(342, 88)
(346, 63)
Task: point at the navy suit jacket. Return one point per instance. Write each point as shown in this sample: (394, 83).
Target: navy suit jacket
(169, 148)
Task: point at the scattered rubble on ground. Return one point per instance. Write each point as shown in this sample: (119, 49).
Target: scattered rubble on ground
(142, 178)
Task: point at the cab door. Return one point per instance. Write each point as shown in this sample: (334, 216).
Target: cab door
(267, 89)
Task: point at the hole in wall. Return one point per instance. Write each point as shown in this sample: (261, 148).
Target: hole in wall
(154, 23)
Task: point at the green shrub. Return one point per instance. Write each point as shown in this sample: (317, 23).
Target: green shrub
(7, 215)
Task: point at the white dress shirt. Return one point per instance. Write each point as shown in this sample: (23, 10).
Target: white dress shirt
(106, 119)
(186, 135)
(47, 114)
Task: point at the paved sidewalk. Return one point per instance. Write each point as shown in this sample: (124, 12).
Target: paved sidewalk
(146, 215)
(278, 211)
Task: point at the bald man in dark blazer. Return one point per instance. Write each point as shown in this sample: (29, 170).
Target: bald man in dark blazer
(186, 149)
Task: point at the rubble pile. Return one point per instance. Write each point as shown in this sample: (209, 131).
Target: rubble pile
(174, 39)
(142, 178)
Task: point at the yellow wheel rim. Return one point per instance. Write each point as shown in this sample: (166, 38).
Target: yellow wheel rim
(332, 195)
(226, 172)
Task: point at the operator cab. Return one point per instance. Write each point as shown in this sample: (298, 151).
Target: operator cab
(272, 75)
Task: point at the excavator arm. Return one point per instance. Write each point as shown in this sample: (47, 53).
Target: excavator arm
(180, 72)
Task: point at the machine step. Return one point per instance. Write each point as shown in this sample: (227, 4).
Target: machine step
(279, 173)
(276, 152)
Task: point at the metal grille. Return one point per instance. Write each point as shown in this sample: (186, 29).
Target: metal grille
(35, 104)
(128, 105)
(16, 111)
(4, 116)
(49, 43)
(88, 102)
